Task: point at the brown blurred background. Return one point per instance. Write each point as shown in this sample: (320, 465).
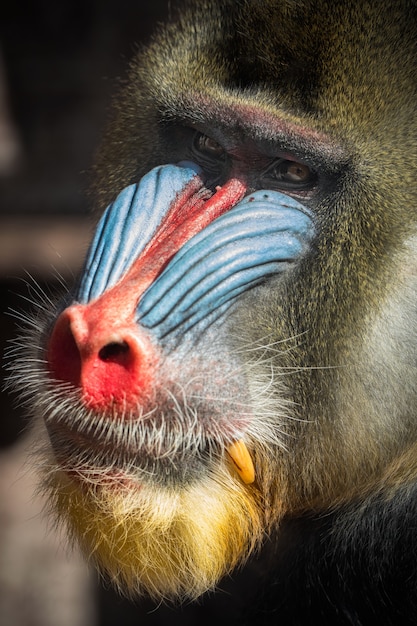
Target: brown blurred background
(59, 66)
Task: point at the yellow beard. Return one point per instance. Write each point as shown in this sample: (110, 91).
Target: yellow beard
(168, 543)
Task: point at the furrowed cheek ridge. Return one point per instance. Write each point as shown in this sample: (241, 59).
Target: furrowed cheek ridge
(127, 225)
(256, 238)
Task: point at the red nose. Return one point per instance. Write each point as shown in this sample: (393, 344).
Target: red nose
(111, 361)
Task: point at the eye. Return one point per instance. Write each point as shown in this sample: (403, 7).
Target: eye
(290, 175)
(208, 146)
(208, 153)
(296, 172)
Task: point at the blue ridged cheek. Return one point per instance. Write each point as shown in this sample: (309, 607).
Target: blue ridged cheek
(257, 238)
(128, 224)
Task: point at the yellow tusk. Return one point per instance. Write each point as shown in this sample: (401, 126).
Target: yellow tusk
(242, 460)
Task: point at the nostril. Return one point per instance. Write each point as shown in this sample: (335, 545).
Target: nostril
(114, 351)
(64, 359)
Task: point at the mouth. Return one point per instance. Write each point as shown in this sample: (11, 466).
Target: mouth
(177, 439)
(86, 458)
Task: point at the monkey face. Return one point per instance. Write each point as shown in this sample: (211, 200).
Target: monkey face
(154, 296)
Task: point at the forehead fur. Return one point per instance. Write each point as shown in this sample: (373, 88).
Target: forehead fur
(300, 53)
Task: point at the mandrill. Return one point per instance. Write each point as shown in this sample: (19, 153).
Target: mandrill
(238, 360)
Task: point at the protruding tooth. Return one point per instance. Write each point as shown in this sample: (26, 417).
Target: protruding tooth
(242, 460)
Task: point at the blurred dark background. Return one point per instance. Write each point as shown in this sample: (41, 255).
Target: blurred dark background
(59, 67)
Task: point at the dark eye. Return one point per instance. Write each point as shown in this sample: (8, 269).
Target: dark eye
(208, 146)
(208, 153)
(290, 175)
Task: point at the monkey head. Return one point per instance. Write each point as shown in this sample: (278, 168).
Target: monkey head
(239, 346)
